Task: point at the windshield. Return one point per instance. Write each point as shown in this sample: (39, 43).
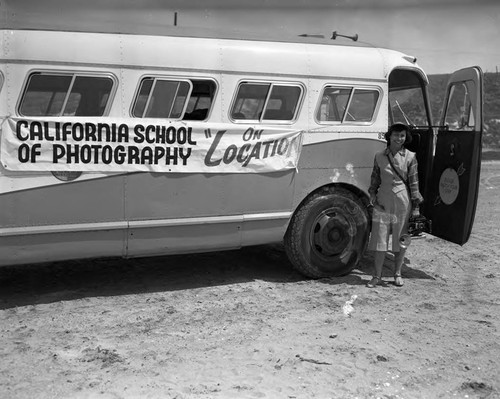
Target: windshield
(406, 98)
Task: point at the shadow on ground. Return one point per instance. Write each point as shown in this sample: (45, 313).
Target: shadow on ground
(362, 274)
(46, 283)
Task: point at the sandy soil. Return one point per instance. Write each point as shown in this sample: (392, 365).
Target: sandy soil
(242, 324)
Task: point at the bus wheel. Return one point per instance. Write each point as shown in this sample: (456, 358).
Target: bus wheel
(328, 234)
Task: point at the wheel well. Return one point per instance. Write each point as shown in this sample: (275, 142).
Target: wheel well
(362, 195)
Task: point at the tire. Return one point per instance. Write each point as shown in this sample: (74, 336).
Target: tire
(328, 234)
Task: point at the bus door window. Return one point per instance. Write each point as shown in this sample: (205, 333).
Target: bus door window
(57, 94)
(460, 112)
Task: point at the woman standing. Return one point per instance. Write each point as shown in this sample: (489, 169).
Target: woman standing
(394, 196)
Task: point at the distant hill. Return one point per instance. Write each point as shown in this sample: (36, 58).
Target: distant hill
(491, 138)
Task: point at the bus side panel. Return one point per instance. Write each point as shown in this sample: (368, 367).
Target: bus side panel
(266, 203)
(175, 239)
(85, 201)
(63, 221)
(50, 247)
(348, 161)
(164, 198)
(216, 210)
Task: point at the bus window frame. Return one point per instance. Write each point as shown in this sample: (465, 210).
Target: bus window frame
(352, 88)
(271, 84)
(73, 74)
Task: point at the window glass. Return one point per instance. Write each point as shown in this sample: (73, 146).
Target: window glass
(89, 96)
(362, 105)
(460, 112)
(266, 101)
(283, 103)
(142, 97)
(406, 98)
(65, 94)
(45, 94)
(407, 106)
(181, 97)
(174, 99)
(201, 99)
(347, 104)
(250, 101)
(333, 104)
(162, 100)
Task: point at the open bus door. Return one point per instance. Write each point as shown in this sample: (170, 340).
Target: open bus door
(450, 203)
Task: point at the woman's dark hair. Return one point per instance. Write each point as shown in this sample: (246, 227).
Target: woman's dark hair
(398, 127)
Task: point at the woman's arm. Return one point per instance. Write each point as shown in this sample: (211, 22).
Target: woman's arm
(416, 197)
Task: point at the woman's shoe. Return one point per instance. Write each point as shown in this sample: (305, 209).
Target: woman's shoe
(398, 280)
(374, 282)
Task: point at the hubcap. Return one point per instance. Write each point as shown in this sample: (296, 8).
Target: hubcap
(331, 233)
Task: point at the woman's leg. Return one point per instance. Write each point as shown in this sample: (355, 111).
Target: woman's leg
(403, 207)
(398, 264)
(378, 265)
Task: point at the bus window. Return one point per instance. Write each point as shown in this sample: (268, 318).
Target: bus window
(460, 112)
(406, 98)
(200, 101)
(266, 101)
(250, 101)
(347, 104)
(174, 99)
(333, 104)
(51, 94)
(362, 105)
(161, 98)
(283, 103)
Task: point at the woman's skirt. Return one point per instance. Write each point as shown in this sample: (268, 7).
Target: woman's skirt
(388, 225)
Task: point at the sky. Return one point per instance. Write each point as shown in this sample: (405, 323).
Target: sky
(444, 35)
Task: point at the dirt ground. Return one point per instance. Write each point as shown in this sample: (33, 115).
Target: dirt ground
(243, 324)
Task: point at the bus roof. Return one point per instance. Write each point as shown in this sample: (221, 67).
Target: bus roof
(173, 48)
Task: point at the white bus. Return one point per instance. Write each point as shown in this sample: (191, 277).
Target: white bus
(127, 144)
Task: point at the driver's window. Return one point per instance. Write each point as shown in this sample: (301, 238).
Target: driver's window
(459, 110)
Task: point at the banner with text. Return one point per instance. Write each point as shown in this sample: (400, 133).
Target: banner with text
(117, 145)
